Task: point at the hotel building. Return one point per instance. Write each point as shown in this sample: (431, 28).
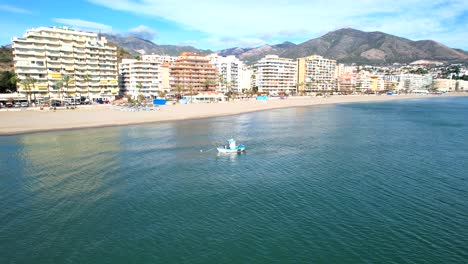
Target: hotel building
(230, 71)
(47, 55)
(193, 72)
(140, 77)
(275, 74)
(316, 73)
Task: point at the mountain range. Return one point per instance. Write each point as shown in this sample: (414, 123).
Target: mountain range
(345, 45)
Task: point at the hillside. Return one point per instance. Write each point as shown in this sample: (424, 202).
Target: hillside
(6, 59)
(137, 46)
(350, 45)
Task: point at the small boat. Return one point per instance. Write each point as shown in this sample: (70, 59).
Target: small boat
(231, 147)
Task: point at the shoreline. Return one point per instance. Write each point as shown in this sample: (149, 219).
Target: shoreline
(38, 121)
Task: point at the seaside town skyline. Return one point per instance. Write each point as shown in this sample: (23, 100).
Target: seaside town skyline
(62, 62)
(245, 24)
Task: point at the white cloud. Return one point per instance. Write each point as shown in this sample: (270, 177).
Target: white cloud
(294, 18)
(143, 32)
(83, 24)
(13, 9)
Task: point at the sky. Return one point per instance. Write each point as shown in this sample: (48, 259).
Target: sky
(216, 25)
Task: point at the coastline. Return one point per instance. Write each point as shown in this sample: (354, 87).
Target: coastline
(35, 121)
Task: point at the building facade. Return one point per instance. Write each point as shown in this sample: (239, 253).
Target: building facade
(276, 75)
(450, 85)
(229, 73)
(193, 72)
(138, 77)
(415, 81)
(61, 62)
(316, 73)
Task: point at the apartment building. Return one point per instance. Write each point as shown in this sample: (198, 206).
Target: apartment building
(316, 73)
(140, 77)
(192, 72)
(450, 85)
(158, 58)
(229, 72)
(415, 81)
(275, 74)
(45, 58)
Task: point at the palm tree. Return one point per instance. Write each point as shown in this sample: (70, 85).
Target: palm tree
(179, 88)
(26, 84)
(87, 78)
(32, 81)
(208, 83)
(222, 82)
(139, 87)
(65, 81)
(298, 88)
(59, 84)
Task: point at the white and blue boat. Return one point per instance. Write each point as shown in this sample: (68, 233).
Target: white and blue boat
(231, 147)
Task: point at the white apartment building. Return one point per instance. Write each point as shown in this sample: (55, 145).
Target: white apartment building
(158, 58)
(46, 57)
(316, 73)
(229, 72)
(140, 77)
(245, 79)
(414, 81)
(275, 74)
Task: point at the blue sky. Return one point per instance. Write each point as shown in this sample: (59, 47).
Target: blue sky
(215, 25)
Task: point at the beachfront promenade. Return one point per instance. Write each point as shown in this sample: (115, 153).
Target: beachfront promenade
(26, 121)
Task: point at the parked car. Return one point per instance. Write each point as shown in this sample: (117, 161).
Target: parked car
(17, 104)
(24, 104)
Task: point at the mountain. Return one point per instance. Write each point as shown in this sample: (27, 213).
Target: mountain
(137, 46)
(350, 45)
(251, 55)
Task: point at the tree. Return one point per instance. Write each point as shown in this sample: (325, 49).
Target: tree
(32, 82)
(223, 83)
(26, 85)
(255, 89)
(139, 88)
(208, 83)
(179, 89)
(87, 78)
(59, 84)
(298, 87)
(65, 81)
(8, 82)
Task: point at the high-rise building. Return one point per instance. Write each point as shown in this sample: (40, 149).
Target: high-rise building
(193, 72)
(275, 75)
(316, 73)
(229, 72)
(158, 58)
(56, 62)
(140, 77)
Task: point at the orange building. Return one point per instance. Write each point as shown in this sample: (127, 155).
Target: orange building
(193, 72)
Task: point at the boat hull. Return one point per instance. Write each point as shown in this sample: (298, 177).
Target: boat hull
(227, 150)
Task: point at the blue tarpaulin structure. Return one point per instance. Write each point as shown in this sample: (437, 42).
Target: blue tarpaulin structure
(262, 98)
(159, 101)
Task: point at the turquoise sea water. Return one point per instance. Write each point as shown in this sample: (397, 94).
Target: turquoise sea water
(354, 183)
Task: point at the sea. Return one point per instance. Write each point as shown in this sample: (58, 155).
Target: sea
(379, 182)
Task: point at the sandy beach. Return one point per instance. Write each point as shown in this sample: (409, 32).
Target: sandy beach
(16, 121)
